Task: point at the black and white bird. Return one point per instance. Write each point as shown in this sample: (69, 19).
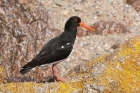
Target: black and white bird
(57, 48)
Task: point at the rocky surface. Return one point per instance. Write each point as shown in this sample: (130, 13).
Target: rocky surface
(117, 72)
(104, 28)
(135, 4)
(27, 25)
(116, 18)
(95, 11)
(25, 28)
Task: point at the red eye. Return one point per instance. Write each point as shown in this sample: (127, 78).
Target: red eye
(75, 20)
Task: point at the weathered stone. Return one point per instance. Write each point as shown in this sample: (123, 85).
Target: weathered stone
(61, 3)
(65, 12)
(105, 28)
(78, 7)
(110, 27)
(117, 72)
(135, 4)
(25, 28)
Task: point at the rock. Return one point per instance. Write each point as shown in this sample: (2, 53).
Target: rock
(2, 12)
(110, 72)
(104, 28)
(122, 66)
(84, 1)
(65, 12)
(69, 8)
(78, 8)
(24, 30)
(79, 0)
(135, 4)
(110, 27)
(61, 3)
(103, 74)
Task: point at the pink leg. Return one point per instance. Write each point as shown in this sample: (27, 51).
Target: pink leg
(56, 77)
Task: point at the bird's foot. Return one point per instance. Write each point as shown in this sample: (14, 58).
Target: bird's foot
(56, 76)
(56, 79)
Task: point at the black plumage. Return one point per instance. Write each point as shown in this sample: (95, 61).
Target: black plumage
(57, 48)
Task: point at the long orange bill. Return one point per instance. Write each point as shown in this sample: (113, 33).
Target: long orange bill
(86, 26)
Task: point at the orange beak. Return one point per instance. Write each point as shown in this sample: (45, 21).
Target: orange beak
(86, 26)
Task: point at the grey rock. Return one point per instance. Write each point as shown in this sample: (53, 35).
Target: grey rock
(61, 3)
(65, 12)
(78, 8)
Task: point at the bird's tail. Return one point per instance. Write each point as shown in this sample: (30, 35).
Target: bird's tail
(25, 69)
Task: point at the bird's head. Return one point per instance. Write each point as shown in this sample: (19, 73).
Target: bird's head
(75, 21)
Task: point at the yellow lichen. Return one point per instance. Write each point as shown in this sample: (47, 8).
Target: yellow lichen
(31, 87)
(2, 75)
(121, 75)
(125, 74)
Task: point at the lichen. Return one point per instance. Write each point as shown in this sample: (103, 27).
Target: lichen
(118, 72)
(2, 75)
(124, 74)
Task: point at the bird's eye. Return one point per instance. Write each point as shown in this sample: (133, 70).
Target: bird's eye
(75, 20)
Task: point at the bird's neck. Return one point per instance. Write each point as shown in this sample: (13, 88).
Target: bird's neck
(71, 29)
(70, 34)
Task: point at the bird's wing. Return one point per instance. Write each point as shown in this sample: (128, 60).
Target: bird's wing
(48, 47)
(55, 47)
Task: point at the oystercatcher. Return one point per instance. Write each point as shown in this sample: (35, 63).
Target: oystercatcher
(57, 48)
